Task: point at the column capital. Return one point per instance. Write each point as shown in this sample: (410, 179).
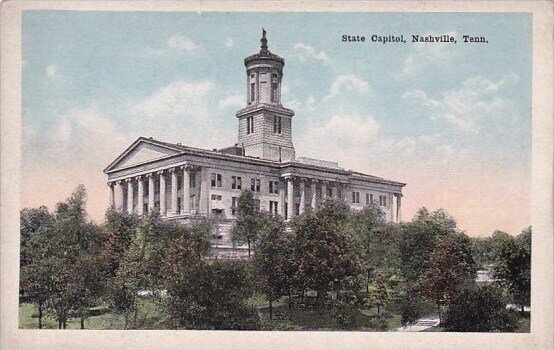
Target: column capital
(172, 170)
(149, 175)
(138, 177)
(129, 179)
(160, 172)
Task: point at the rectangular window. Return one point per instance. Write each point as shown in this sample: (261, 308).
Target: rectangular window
(234, 205)
(257, 204)
(273, 207)
(192, 181)
(255, 185)
(193, 202)
(367, 202)
(277, 124)
(274, 82)
(216, 180)
(383, 201)
(329, 192)
(356, 197)
(252, 92)
(297, 209)
(236, 182)
(273, 187)
(216, 197)
(249, 125)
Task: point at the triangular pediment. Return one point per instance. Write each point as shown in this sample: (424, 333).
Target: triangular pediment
(142, 151)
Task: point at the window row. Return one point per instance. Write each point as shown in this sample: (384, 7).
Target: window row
(236, 183)
(369, 199)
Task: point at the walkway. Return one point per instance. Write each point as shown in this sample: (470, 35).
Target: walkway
(421, 324)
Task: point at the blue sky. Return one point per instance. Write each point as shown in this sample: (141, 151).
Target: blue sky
(451, 120)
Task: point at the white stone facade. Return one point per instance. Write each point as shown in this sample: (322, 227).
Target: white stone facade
(185, 183)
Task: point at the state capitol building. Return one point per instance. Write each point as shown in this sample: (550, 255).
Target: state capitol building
(185, 183)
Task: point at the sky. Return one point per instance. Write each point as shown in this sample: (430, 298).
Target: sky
(453, 121)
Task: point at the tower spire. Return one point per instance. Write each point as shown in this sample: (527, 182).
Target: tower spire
(264, 41)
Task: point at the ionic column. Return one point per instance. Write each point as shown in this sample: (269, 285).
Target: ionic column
(130, 194)
(112, 197)
(323, 191)
(398, 208)
(185, 207)
(150, 192)
(173, 172)
(336, 193)
(314, 195)
(290, 198)
(163, 203)
(140, 199)
(118, 194)
(302, 196)
(204, 192)
(282, 200)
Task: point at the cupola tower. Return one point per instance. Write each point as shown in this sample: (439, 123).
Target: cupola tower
(265, 126)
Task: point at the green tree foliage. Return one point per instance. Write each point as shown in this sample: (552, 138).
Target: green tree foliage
(410, 309)
(419, 238)
(209, 294)
(513, 266)
(450, 266)
(248, 225)
(61, 270)
(326, 249)
(380, 295)
(478, 308)
(273, 259)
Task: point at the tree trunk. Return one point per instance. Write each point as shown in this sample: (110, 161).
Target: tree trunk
(270, 309)
(82, 323)
(368, 278)
(439, 312)
(249, 248)
(40, 315)
(59, 323)
(64, 324)
(523, 308)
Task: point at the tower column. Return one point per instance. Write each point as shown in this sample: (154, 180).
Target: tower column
(282, 200)
(398, 207)
(173, 172)
(302, 196)
(112, 197)
(140, 199)
(185, 205)
(290, 198)
(150, 192)
(118, 196)
(130, 189)
(163, 203)
(314, 194)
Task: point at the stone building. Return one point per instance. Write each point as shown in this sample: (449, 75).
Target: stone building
(185, 183)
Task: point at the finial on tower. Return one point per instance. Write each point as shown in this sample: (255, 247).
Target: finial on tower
(264, 41)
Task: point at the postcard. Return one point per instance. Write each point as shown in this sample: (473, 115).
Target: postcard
(277, 175)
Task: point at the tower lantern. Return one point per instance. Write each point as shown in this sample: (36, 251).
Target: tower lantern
(265, 125)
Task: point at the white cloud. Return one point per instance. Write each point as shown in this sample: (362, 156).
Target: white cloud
(52, 71)
(180, 42)
(231, 101)
(229, 42)
(306, 52)
(425, 55)
(347, 82)
(475, 103)
(178, 99)
(310, 103)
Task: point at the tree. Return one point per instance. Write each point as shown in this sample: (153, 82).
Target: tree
(513, 266)
(71, 259)
(34, 274)
(247, 225)
(380, 295)
(377, 246)
(478, 308)
(419, 238)
(326, 249)
(450, 266)
(273, 259)
(410, 308)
